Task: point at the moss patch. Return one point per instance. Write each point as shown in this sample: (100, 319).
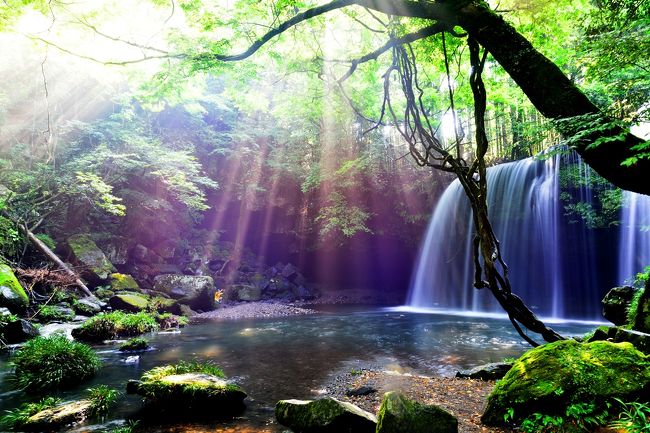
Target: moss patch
(107, 326)
(398, 414)
(87, 253)
(123, 282)
(12, 294)
(549, 378)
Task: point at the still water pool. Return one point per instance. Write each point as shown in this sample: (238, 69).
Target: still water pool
(296, 357)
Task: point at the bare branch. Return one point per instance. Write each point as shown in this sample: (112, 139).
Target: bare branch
(411, 37)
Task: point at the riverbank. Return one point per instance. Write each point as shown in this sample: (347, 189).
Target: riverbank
(253, 310)
(464, 398)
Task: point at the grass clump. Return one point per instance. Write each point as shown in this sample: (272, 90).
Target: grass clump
(16, 418)
(133, 344)
(53, 362)
(108, 326)
(634, 417)
(183, 367)
(49, 313)
(101, 397)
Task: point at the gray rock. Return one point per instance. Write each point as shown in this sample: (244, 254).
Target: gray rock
(249, 293)
(492, 371)
(362, 390)
(398, 414)
(616, 304)
(88, 306)
(326, 415)
(54, 418)
(196, 291)
(18, 331)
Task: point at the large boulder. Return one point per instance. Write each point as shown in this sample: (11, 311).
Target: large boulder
(55, 418)
(492, 371)
(326, 415)
(398, 414)
(87, 254)
(131, 302)
(248, 293)
(196, 291)
(617, 302)
(12, 294)
(549, 378)
(88, 306)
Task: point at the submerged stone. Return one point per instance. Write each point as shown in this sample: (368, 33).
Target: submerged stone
(12, 294)
(56, 417)
(326, 415)
(549, 378)
(492, 371)
(398, 414)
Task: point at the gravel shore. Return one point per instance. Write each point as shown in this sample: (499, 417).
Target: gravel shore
(253, 310)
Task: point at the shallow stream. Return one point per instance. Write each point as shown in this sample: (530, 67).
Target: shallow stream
(296, 357)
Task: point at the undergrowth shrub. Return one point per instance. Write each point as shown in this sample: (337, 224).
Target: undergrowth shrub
(107, 326)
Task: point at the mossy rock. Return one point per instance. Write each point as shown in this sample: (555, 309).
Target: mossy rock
(189, 385)
(53, 419)
(640, 312)
(549, 378)
(616, 304)
(326, 415)
(12, 294)
(88, 254)
(398, 414)
(134, 345)
(196, 291)
(130, 302)
(120, 282)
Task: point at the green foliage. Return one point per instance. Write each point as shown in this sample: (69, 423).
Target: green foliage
(340, 217)
(46, 239)
(125, 429)
(183, 367)
(15, 418)
(107, 326)
(101, 398)
(634, 417)
(92, 185)
(53, 362)
(137, 343)
(49, 313)
(642, 278)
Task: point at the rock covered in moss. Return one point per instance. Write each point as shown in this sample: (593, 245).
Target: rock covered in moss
(640, 312)
(398, 414)
(134, 345)
(12, 294)
(195, 291)
(492, 371)
(189, 385)
(549, 378)
(616, 304)
(88, 306)
(120, 282)
(87, 254)
(130, 302)
(53, 419)
(326, 415)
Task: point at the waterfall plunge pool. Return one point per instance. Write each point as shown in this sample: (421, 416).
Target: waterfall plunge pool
(296, 357)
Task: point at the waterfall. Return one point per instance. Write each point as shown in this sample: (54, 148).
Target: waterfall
(634, 244)
(552, 263)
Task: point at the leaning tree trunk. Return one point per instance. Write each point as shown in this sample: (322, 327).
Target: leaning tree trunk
(554, 95)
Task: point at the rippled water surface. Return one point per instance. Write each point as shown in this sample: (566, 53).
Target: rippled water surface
(296, 357)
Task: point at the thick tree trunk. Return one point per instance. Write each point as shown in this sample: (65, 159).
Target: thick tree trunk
(552, 93)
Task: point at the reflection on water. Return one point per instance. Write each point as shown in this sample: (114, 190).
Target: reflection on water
(294, 357)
